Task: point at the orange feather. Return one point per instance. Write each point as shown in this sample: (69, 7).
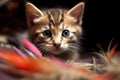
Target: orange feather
(112, 52)
(104, 77)
(30, 64)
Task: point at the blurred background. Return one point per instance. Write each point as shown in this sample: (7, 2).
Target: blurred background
(100, 20)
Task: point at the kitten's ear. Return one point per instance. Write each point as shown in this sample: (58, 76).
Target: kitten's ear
(32, 12)
(77, 11)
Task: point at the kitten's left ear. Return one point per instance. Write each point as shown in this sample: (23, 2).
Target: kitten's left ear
(77, 11)
(32, 13)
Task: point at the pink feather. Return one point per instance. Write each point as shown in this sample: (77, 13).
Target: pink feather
(31, 47)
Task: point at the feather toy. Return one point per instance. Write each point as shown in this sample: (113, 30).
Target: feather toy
(31, 47)
(38, 67)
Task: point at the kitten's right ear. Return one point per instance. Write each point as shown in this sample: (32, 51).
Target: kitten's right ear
(77, 12)
(32, 13)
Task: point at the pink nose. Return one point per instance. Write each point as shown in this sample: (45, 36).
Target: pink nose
(57, 45)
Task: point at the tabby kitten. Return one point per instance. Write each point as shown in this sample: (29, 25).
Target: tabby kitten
(55, 31)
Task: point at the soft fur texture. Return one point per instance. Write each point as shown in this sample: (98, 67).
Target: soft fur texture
(56, 32)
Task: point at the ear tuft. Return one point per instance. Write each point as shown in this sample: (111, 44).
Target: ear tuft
(77, 11)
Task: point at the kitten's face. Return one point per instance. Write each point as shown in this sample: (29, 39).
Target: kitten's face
(55, 31)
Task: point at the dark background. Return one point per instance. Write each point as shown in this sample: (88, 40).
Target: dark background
(100, 20)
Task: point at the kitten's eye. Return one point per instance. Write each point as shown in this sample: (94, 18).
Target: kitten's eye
(47, 33)
(65, 33)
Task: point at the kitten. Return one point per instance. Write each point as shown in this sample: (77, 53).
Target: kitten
(55, 32)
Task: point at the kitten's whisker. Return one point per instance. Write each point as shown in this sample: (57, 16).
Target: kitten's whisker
(73, 47)
(42, 48)
(68, 51)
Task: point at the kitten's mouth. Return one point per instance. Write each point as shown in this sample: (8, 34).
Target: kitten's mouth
(52, 50)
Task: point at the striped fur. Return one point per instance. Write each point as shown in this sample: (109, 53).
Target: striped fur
(55, 31)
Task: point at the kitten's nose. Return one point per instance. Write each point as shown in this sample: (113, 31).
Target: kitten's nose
(57, 45)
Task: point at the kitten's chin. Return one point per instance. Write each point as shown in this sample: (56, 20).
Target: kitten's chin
(56, 51)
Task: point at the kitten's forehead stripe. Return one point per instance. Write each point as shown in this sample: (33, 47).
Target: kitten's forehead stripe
(55, 17)
(62, 17)
(51, 18)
